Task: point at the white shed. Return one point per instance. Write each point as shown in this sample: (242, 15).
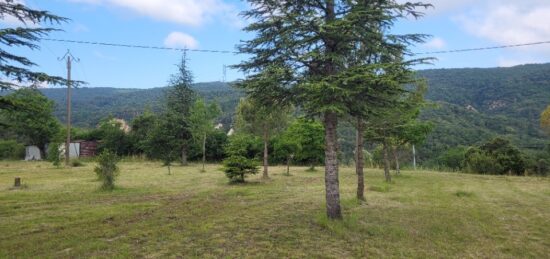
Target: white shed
(32, 153)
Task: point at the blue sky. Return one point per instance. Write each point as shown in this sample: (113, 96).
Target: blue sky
(215, 24)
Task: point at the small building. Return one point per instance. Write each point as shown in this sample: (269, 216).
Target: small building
(32, 153)
(80, 148)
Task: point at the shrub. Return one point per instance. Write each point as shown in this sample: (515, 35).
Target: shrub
(107, 169)
(237, 167)
(54, 154)
(11, 150)
(497, 156)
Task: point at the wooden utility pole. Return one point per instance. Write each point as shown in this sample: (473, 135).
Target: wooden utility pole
(414, 157)
(69, 57)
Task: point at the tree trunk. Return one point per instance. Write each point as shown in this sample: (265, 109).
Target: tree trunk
(203, 151)
(169, 173)
(331, 167)
(288, 166)
(266, 139)
(184, 155)
(386, 163)
(396, 157)
(359, 161)
(414, 157)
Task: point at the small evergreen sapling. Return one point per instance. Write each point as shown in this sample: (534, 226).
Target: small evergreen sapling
(237, 167)
(107, 170)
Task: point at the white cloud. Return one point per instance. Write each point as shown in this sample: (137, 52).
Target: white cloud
(180, 40)
(435, 43)
(509, 24)
(186, 12)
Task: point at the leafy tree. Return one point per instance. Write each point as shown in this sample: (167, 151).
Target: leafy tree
(261, 120)
(202, 119)
(397, 125)
(311, 41)
(32, 122)
(310, 139)
(142, 125)
(164, 141)
(179, 100)
(216, 142)
(453, 158)
(107, 169)
(245, 145)
(545, 120)
(54, 154)
(16, 68)
(113, 137)
(287, 146)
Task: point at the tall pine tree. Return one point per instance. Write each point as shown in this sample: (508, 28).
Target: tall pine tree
(312, 40)
(179, 100)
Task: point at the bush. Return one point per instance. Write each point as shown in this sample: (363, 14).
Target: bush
(497, 156)
(54, 154)
(107, 169)
(237, 167)
(11, 150)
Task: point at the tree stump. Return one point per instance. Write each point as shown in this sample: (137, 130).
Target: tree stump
(17, 182)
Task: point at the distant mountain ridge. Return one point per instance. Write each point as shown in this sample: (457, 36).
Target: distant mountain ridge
(474, 104)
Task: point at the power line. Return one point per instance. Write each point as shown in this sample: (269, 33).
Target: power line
(235, 52)
(483, 48)
(139, 46)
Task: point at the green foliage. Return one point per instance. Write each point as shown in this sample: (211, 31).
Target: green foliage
(236, 168)
(141, 126)
(244, 145)
(113, 137)
(107, 169)
(254, 117)
(453, 158)
(495, 157)
(216, 142)
(179, 101)
(54, 154)
(13, 67)
(309, 135)
(202, 119)
(32, 123)
(11, 150)
(545, 120)
(164, 142)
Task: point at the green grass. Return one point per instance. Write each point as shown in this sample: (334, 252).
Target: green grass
(62, 213)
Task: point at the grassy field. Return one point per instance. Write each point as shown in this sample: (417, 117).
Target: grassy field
(61, 213)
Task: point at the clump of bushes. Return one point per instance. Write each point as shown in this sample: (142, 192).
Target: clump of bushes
(498, 157)
(11, 150)
(107, 169)
(236, 168)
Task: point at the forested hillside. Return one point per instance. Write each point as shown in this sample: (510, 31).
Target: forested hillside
(90, 105)
(469, 105)
(473, 105)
